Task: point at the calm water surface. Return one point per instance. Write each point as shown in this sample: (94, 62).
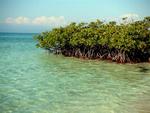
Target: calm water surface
(34, 81)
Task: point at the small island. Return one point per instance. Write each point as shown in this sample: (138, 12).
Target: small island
(125, 42)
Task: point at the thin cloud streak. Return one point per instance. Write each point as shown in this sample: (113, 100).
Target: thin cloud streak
(18, 20)
(42, 20)
(55, 21)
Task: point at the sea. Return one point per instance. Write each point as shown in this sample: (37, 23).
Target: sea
(32, 80)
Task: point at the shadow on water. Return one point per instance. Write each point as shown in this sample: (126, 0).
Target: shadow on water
(143, 69)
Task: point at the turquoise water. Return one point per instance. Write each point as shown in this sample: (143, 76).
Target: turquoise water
(34, 81)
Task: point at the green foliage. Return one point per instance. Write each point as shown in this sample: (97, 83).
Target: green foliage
(125, 38)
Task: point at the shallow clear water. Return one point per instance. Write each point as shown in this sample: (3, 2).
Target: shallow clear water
(34, 81)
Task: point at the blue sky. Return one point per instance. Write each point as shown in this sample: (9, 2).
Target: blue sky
(40, 15)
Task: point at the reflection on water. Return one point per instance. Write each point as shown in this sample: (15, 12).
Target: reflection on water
(33, 81)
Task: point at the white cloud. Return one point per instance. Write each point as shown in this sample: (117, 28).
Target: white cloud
(42, 20)
(130, 15)
(9, 20)
(22, 20)
(18, 20)
(54, 21)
